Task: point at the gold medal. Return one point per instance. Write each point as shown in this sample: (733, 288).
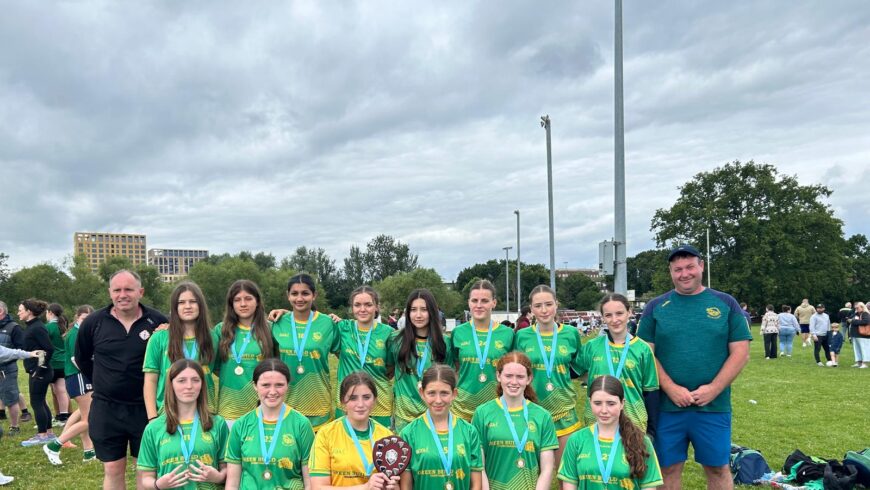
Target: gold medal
(300, 369)
(448, 486)
(550, 387)
(239, 370)
(521, 463)
(267, 475)
(482, 378)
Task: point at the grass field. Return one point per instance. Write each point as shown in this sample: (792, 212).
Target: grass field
(822, 411)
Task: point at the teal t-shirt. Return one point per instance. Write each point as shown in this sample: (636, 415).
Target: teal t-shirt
(691, 334)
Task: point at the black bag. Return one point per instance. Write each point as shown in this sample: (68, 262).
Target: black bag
(839, 476)
(809, 469)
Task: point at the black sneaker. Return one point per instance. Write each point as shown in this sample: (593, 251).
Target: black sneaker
(26, 417)
(13, 431)
(2, 414)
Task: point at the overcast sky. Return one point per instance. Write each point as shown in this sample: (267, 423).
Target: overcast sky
(264, 126)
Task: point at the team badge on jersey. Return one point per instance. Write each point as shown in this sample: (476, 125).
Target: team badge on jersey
(713, 312)
(144, 334)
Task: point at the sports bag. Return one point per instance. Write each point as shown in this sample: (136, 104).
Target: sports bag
(747, 465)
(861, 461)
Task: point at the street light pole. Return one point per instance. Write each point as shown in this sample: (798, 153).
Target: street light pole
(620, 282)
(507, 284)
(545, 123)
(519, 284)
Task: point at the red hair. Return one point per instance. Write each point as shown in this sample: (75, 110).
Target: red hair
(519, 358)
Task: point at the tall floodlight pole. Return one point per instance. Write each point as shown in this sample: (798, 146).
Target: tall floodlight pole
(507, 284)
(519, 284)
(709, 259)
(545, 123)
(620, 283)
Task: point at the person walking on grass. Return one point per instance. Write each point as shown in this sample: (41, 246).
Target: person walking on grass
(695, 369)
(11, 337)
(36, 337)
(860, 343)
(788, 329)
(13, 355)
(835, 342)
(770, 330)
(803, 313)
(820, 325)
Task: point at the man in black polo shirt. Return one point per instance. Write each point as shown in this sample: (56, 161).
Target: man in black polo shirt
(109, 350)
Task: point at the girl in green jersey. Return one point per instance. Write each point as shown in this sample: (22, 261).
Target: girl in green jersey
(447, 454)
(184, 447)
(363, 346)
(270, 445)
(188, 337)
(517, 434)
(476, 346)
(80, 389)
(57, 327)
(554, 350)
(630, 461)
(244, 339)
(415, 348)
(625, 357)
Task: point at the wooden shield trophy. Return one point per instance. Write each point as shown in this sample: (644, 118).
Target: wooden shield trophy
(392, 455)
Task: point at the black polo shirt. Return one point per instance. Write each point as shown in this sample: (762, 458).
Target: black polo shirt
(112, 358)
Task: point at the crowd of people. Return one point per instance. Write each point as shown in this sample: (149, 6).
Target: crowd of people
(249, 402)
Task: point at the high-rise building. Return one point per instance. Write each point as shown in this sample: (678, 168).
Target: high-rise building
(98, 247)
(172, 263)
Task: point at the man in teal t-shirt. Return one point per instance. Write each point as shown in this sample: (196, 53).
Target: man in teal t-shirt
(701, 342)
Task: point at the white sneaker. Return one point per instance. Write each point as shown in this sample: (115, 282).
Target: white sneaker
(53, 456)
(820, 364)
(5, 480)
(862, 366)
(781, 354)
(829, 363)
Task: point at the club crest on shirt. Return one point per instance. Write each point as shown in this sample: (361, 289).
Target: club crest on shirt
(713, 312)
(144, 334)
(499, 344)
(563, 349)
(379, 344)
(317, 336)
(206, 437)
(287, 440)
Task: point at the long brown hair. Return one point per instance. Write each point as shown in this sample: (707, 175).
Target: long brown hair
(519, 358)
(202, 328)
(632, 437)
(57, 311)
(406, 359)
(353, 380)
(170, 403)
(259, 326)
(83, 309)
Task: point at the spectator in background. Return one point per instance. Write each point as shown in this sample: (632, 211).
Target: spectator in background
(524, 321)
(745, 310)
(835, 342)
(788, 329)
(845, 315)
(11, 337)
(860, 343)
(803, 313)
(393, 320)
(770, 330)
(820, 325)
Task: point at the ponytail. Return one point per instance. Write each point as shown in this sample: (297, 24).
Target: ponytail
(633, 446)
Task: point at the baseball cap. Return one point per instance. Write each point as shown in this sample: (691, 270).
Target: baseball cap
(684, 250)
(820, 305)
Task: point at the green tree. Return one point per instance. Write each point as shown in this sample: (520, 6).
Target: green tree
(642, 270)
(4, 268)
(316, 261)
(113, 265)
(87, 288)
(494, 271)
(394, 290)
(386, 256)
(215, 280)
(43, 281)
(578, 292)
(858, 253)
(772, 240)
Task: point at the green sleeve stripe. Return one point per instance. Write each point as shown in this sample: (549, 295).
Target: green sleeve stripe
(232, 460)
(569, 480)
(150, 370)
(318, 473)
(140, 467)
(547, 448)
(654, 484)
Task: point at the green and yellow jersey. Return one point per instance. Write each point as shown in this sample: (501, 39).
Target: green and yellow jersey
(473, 389)
(335, 455)
(69, 343)
(561, 400)
(310, 391)
(638, 375)
(379, 365)
(291, 453)
(407, 402)
(161, 452)
(427, 469)
(157, 361)
(580, 464)
(59, 356)
(236, 393)
(501, 457)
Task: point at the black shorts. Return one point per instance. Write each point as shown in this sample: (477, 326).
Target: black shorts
(805, 327)
(115, 426)
(58, 374)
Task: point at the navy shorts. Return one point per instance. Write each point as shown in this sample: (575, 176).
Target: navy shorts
(805, 328)
(78, 385)
(709, 433)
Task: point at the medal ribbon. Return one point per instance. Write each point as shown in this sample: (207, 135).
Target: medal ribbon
(622, 359)
(368, 467)
(363, 349)
(605, 472)
(187, 449)
(446, 459)
(267, 454)
(521, 443)
(193, 350)
(421, 361)
(481, 356)
(551, 362)
(300, 350)
(238, 355)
